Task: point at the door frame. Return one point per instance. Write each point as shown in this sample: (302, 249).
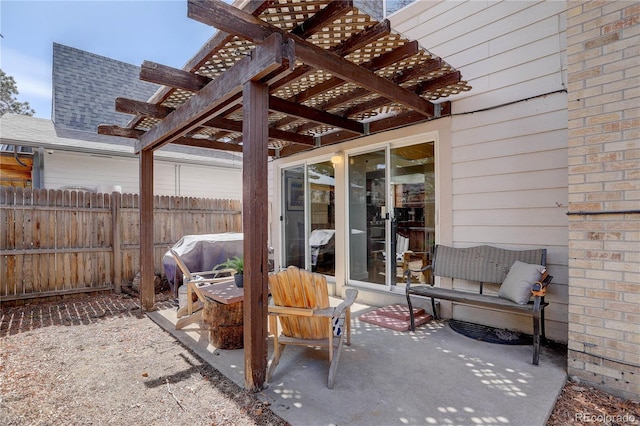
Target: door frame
(388, 285)
(281, 196)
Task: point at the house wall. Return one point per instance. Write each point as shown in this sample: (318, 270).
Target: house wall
(604, 183)
(72, 169)
(502, 156)
(508, 134)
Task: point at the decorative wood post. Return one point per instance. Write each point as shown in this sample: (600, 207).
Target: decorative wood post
(147, 269)
(254, 223)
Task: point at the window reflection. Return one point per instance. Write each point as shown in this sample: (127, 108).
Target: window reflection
(321, 190)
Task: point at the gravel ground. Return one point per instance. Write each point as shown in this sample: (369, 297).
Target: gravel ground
(99, 360)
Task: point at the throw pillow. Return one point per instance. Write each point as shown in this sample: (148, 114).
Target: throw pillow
(517, 284)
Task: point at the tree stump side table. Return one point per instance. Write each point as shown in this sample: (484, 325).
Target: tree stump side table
(223, 313)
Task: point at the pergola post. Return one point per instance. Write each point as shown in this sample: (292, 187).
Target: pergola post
(147, 269)
(255, 131)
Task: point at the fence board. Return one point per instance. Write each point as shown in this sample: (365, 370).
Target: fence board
(62, 242)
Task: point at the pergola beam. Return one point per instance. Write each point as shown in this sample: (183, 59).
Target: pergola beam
(328, 14)
(440, 82)
(131, 106)
(235, 21)
(403, 52)
(186, 81)
(350, 45)
(123, 132)
(312, 114)
(206, 143)
(169, 76)
(236, 126)
(198, 108)
(403, 77)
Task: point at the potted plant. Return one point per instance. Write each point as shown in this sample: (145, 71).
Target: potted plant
(237, 264)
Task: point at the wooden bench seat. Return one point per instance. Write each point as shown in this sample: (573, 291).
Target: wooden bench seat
(483, 264)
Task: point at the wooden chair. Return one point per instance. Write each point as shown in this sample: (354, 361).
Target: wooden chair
(403, 257)
(300, 301)
(193, 311)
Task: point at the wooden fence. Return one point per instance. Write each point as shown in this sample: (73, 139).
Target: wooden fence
(58, 242)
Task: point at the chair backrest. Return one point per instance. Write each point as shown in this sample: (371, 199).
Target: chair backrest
(402, 244)
(181, 264)
(299, 288)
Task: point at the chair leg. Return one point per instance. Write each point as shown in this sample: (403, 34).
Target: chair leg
(411, 317)
(331, 347)
(277, 348)
(183, 322)
(433, 308)
(274, 360)
(348, 321)
(189, 298)
(333, 367)
(536, 331)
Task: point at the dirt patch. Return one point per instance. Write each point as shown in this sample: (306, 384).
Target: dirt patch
(100, 360)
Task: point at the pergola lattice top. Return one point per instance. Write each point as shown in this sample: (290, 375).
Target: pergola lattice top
(310, 105)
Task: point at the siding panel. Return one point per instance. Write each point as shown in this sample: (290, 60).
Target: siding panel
(548, 140)
(66, 169)
(535, 236)
(504, 165)
(555, 105)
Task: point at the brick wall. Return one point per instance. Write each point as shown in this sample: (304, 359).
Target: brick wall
(603, 52)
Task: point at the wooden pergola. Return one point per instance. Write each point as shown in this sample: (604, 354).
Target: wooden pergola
(278, 78)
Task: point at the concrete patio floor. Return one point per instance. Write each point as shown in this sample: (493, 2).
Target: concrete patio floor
(434, 376)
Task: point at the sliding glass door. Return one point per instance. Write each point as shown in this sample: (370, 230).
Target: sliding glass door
(391, 213)
(368, 218)
(412, 189)
(294, 201)
(309, 217)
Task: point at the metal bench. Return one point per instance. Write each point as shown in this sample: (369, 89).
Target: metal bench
(483, 264)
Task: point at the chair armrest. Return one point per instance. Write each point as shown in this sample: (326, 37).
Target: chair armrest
(350, 297)
(201, 281)
(216, 272)
(286, 310)
(540, 287)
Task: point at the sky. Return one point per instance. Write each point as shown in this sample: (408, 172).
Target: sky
(129, 31)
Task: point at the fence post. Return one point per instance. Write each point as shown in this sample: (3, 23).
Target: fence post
(116, 202)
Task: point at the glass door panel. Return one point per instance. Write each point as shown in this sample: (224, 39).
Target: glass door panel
(413, 201)
(321, 190)
(367, 217)
(294, 252)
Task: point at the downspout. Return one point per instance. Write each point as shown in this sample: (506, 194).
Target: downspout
(17, 157)
(37, 172)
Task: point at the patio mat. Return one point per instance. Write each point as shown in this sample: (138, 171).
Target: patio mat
(490, 334)
(395, 317)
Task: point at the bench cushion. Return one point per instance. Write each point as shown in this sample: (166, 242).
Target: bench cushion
(517, 285)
